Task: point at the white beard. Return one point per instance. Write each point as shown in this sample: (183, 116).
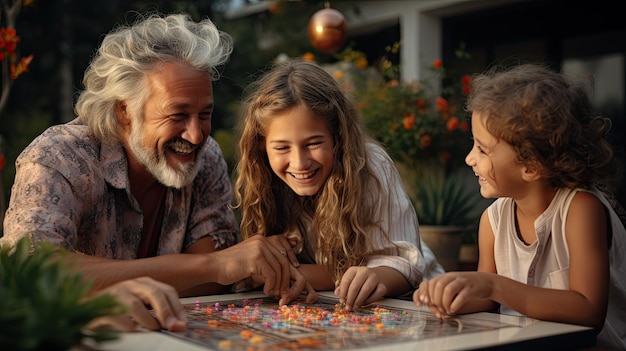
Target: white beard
(157, 164)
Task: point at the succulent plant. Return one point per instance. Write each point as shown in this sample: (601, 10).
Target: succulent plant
(446, 199)
(44, 304)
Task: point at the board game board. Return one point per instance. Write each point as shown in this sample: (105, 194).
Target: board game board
(261, 324)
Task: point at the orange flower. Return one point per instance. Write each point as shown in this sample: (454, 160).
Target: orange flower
(441, 103)
(408, 121)
(21, 67)
(425, 140)
(308, 57)
(361, 62)
(437, 63)
(274, 7)
(338, 75)
(393, 83)
(452, 123)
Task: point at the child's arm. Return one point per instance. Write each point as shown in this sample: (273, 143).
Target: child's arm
(430, 292)
(585, 301)
(361, 285)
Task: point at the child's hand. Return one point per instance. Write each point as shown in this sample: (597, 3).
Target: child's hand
(360, 286)
(298, 285)
(447, 293)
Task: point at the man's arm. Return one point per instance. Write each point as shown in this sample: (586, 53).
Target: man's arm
(198, 269)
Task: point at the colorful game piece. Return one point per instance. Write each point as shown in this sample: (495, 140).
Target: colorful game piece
(261, 324)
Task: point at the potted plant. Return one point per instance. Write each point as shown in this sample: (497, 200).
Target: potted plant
(448, 209)
(44, 304)
(425, 129)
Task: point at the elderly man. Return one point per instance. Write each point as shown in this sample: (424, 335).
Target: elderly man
(135, 186)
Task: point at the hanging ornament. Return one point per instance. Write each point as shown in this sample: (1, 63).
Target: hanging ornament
(327, 30)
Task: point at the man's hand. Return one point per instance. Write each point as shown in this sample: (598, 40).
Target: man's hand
(255, 256)
(138, 295)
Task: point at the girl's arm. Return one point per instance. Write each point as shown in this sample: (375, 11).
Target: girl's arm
(585, 301)
(428, 294)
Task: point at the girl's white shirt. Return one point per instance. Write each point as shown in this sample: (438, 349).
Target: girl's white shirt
(396, 216)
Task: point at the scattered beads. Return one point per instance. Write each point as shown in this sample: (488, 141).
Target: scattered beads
(290, 319)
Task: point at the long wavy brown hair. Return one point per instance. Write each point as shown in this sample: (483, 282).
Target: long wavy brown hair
(340, 211)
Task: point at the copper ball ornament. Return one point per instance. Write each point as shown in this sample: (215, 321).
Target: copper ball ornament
(327, 30)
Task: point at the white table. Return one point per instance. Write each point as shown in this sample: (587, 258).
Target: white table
(520, 333)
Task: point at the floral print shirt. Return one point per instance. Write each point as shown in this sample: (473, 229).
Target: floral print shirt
(73, 191)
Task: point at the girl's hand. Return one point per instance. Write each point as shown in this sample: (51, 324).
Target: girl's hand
(298, 285)
(360, 286)
(446, 294)
(138, 295)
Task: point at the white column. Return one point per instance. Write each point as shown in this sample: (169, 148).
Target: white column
(421, 44)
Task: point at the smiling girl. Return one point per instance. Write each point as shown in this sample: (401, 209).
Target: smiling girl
(326, 194)
(551, 246)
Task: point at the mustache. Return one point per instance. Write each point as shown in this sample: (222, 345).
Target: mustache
(181, 143)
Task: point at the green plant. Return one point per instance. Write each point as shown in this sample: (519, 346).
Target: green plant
(445, 200)
(421, 123)
(44, 304)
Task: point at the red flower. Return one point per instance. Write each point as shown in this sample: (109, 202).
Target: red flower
(425, 140)
(8, 41)
(441, 103)
(437, 63)
(452, 123)
(464, 126)
(466, 81)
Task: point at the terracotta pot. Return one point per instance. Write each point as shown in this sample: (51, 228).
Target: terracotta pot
(468, 257)
(445, 242)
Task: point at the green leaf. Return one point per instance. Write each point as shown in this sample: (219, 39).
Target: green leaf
(45, 304)
(444, 199)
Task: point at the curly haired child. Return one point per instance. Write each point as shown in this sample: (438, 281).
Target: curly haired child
(552, 245)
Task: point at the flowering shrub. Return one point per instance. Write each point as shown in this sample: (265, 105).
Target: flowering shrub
(8, 46)
(422, 124)
(424, 128)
